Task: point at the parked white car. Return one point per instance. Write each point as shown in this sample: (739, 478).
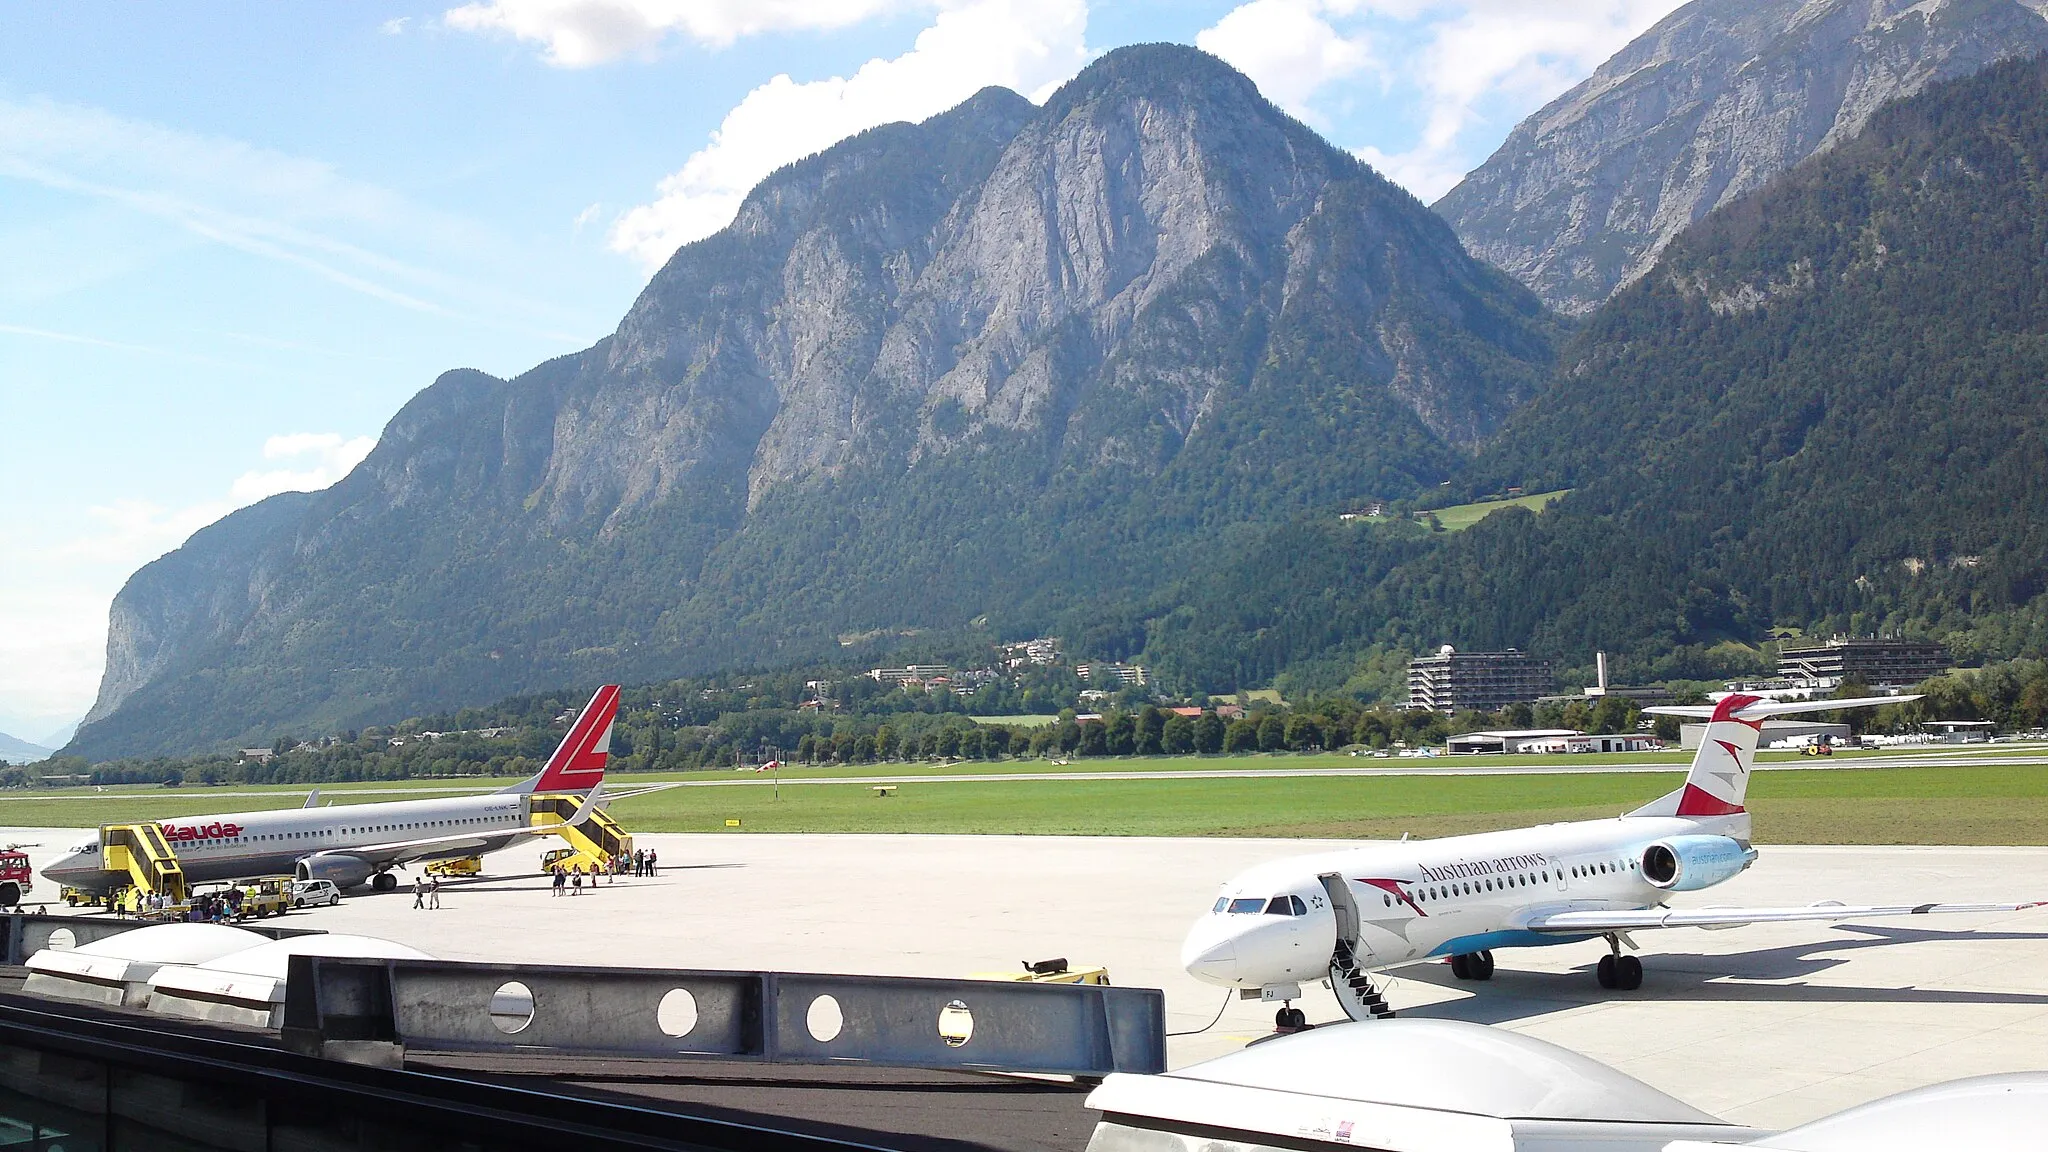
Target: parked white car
(310, 893)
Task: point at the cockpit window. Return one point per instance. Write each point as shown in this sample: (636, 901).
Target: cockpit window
(1222, 902)
(88, 846)
(1286, 906)
(1250, 905)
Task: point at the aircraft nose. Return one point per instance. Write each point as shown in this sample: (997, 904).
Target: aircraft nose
(1210, 954)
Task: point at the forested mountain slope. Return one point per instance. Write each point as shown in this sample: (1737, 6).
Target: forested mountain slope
(1826, 406)
(1017, 366)
(1711, 103)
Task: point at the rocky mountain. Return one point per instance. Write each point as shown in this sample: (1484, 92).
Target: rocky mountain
(1005, 369)
(1718, 98)
(1822, 408)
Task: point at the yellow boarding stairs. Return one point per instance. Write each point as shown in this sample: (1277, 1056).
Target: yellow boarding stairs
(595, 841)
(141, 851)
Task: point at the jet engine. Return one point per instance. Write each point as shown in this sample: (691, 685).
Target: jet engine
(344, 870)
(1689, 863)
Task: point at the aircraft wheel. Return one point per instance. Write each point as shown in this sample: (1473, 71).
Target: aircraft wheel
(1290, 1020)
(1480, 965)
(1604, 972)
(1461, 966)
(1628, 973)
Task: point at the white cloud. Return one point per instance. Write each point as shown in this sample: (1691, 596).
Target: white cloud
(269, 204)
(1458, 59)
(1028, 46)
(581, 33)
(319, 459)
(1288, 50)
(53, 615)
(394, 26)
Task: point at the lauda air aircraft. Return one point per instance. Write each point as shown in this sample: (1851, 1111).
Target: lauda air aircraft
(358, 843)
(1343, 915)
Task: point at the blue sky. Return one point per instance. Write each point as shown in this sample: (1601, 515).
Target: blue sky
(235, 238)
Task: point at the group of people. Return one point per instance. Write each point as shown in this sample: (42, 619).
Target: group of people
(569, 877)
(426, 892)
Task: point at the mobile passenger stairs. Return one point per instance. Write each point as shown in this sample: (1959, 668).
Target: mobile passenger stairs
(593, 843)
(140, 851)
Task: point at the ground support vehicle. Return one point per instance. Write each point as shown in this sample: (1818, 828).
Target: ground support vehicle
(17, 879)
(466, 866)
(308, 893)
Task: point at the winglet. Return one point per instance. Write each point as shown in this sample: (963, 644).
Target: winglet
(312, 799)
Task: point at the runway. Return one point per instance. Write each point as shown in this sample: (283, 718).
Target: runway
(625, 785)
(1771, 1025)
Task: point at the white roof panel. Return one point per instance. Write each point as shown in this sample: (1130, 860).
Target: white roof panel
(2006, 1113)
(133, 955)
(1449, 1066)
(257, 975)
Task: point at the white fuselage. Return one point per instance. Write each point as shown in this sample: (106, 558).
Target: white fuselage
(1274, 924)
(247, 844)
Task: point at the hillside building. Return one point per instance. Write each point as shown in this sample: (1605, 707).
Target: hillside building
(910, 672)
(1454, 681)
(1878, 662)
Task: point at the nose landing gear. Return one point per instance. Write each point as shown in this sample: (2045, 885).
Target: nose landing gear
(1290, 1019)
(1617, 971)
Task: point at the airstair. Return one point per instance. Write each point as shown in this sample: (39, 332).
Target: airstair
(596, 840)
(1354, 988)
(141, 851)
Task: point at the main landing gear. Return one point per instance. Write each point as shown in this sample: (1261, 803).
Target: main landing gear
(1472, 965)
(1617, 971)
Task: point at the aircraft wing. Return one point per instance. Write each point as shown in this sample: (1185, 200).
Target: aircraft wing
(1625, 920)
(406, 851)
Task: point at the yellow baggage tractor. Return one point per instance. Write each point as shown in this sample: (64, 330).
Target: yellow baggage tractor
(466, 866)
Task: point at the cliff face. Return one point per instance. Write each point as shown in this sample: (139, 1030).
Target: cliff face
(992, 367)
(1711, 103)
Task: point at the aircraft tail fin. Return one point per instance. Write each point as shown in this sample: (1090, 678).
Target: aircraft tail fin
(1718, 781)
(578, 762)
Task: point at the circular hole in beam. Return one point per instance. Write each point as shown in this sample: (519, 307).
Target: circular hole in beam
(63, 940)
(956, 1024)
(677, 1013)
(512, 1007)
(824, 1020)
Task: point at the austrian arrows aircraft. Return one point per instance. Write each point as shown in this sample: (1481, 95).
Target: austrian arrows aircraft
(1341, 915)
(355, 843)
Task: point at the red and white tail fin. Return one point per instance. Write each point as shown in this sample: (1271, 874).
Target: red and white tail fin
(578, 762)
(1719, 778)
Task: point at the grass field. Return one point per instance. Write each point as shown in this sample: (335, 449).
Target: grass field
(1031, 720)
(1961, 804)
(1461, 516)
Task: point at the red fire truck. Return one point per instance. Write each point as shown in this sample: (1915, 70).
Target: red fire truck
(16, 877)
